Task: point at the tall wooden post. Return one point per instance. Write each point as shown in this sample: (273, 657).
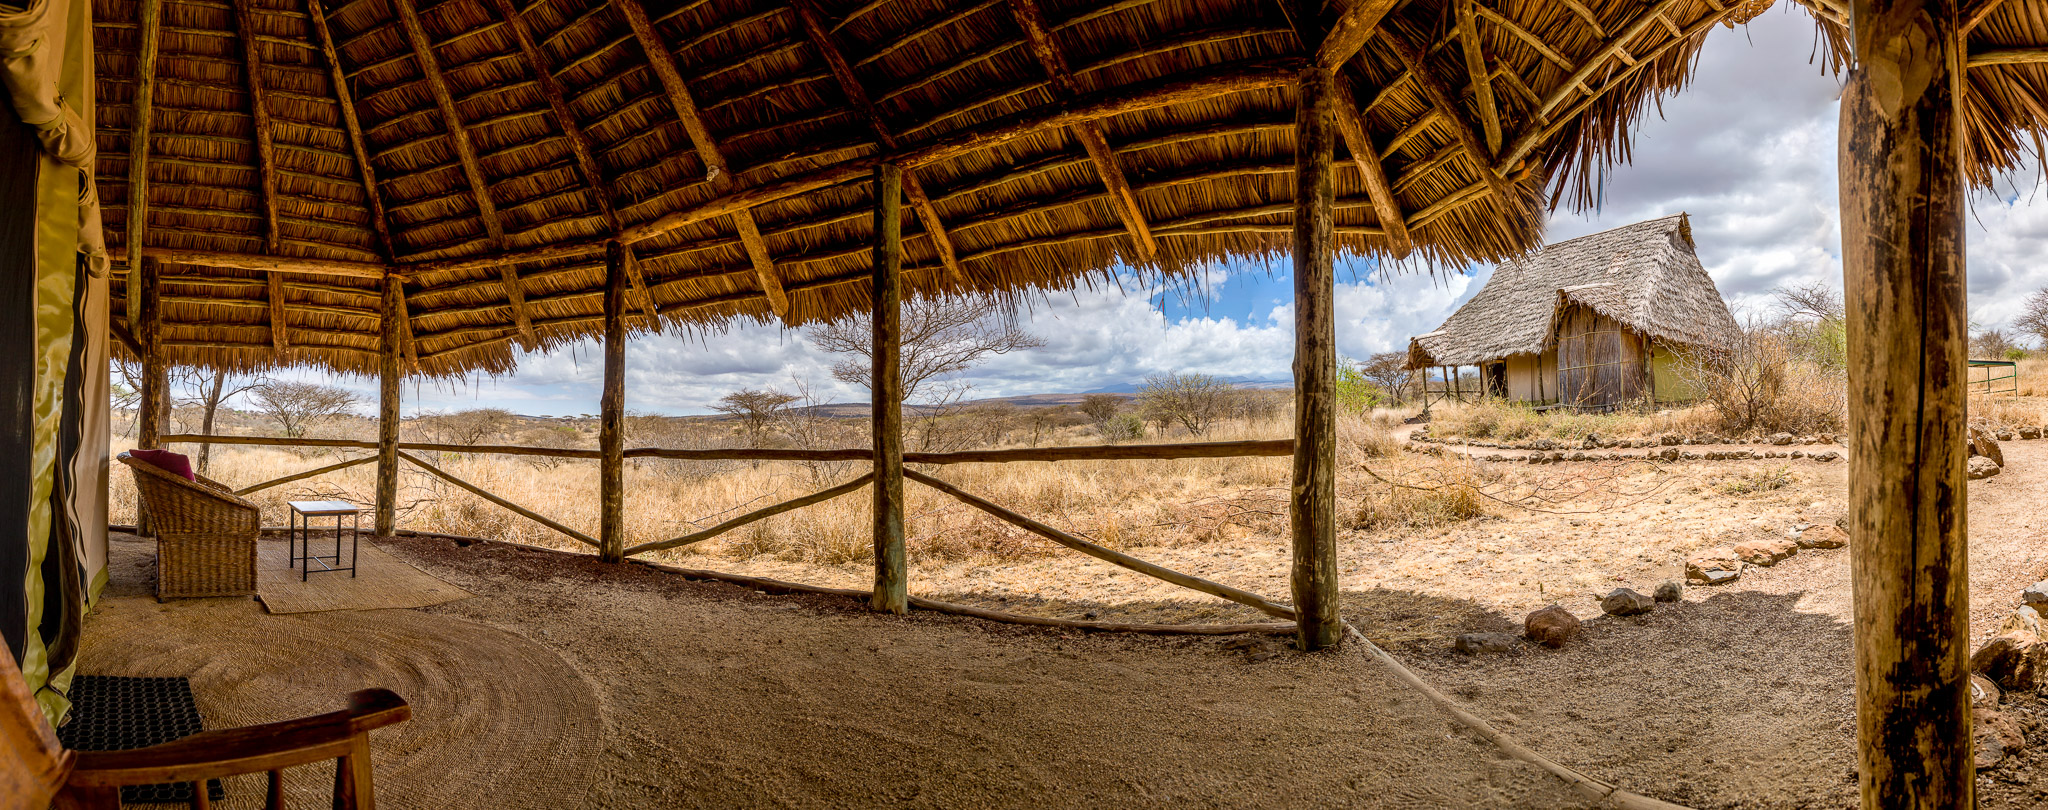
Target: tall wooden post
(1902, 271)
(387, 406)
(1313, 516)
(611, 431)
(892, 583)
(155, 402)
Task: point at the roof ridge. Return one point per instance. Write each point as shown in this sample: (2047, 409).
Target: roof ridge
(1636, 224)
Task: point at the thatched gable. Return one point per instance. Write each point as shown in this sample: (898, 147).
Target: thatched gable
(1644, 275)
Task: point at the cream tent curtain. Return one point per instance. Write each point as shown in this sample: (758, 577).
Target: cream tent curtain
(53, 344)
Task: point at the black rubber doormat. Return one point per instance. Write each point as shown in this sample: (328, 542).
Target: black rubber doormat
(110, 713)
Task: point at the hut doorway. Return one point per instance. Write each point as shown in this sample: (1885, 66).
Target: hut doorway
(1497, 380)
(1600, 363)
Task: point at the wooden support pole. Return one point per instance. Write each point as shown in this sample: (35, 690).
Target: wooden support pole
(273, 286)
(151, 13)
(155, 402)
(1353, 26)
(1313, 508)
(1902, 196)
(611, 433)
(388, 377)
(892, 583)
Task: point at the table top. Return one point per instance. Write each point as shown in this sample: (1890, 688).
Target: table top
(324, 508)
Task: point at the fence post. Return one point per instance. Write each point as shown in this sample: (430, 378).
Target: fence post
(892, 587)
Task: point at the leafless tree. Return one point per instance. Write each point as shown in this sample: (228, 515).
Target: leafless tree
(203, 390)
(2033, 319)
(1100, 407)
(126, 391)
(1814, 301)
(296, 407)
(471, 426)
(1194, 401)
(941, 336)
(1991, 344)
(756, 408)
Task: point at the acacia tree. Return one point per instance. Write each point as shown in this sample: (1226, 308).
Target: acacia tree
(1195, 401)
(470, 427)
(1389, 371)
(205, 390)
(296, 407)
(2033, 319)
(1100, 407)
(941, 335)
(756, 408)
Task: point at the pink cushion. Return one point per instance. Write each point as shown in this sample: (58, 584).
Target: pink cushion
(167, 461)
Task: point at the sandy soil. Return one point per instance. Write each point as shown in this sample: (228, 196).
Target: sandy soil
(1738, 697)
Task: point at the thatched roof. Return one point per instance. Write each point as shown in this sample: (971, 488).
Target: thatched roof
(484, 150)
(1645, 276)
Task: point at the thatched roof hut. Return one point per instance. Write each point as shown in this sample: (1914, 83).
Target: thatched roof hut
(485, 150)
(1642, 284)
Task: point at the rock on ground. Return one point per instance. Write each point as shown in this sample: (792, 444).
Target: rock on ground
(1713, 570)
(1829, 536)
(1551, 626)
(1625, 602)
(1765, 552)
(1982, 444)
(1996, 736)
(1983, 467)
(1486, 643)
(1670, 592)
(2035, 594)
(2017, 662)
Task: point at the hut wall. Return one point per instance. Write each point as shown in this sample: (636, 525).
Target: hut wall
(1667, 378)
(1526, 379)
(1600, 363)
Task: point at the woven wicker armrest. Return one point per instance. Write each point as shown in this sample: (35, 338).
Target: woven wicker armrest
(204, 488)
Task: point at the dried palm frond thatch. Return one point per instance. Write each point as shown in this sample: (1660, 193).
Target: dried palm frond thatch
(483, 151)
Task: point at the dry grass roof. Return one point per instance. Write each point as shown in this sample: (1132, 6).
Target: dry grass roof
(1645, 276)
(484, 150)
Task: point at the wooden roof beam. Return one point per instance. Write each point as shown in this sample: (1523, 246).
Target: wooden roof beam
(259, 113)
(820, 36)
(151, 12)
(380, 220)
(465, 151)
(1446, 104)
(1475, 67)
(1358, 141)
(2008, 56)
(1471, 6)
(267, 264)
(1354, 25)
(663, 63)
(1592, 20)
(1977, 12)
(1599, 57)
(579, 140)
(1038, 36)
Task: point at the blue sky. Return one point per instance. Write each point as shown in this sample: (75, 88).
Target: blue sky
(1748, 149)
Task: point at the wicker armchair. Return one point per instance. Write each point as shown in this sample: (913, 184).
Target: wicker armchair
(205, 534)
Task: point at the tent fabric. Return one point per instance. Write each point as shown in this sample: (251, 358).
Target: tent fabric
(53, 300)
(34, 44)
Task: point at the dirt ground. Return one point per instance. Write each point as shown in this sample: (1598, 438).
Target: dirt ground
(714, 695)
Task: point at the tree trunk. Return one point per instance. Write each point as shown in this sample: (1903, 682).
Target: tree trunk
(155, 401)
(892, 585)
(1903, 279)
(611, 434)
(212, 404)
(1313, 516)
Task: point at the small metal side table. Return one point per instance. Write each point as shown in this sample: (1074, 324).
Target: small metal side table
(299, 539)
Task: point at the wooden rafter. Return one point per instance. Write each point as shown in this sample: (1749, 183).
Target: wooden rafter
(1475, 67)
(1520, 33)
(1446, 105)
(1358, 141)
(820, 36)
(1546, 121)
(2008, 56)
(663, 63)
(465, 151)
(259, 113)
(1354, 25)
(1592, 20)
(579, 140)
(1976, 14)
(151, 12)
(380, 221)
(1039, 37)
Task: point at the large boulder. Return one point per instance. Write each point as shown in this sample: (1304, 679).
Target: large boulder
(1551, 626)
(1625, 602)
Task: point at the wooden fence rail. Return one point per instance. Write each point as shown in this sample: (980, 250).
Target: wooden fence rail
(486, 495)
(305, 474)
(1086, 452)
(758, 514)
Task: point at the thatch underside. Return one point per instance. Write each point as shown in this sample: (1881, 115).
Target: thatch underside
(490, 183)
